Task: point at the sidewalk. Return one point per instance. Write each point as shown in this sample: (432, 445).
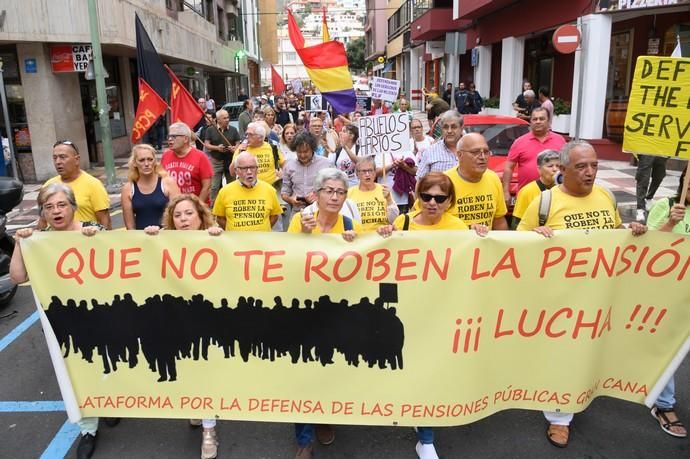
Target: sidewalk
(618, 176)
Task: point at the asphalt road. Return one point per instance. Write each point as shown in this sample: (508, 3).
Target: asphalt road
(608, 429)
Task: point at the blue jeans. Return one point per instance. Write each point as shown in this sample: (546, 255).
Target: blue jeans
(425, 435)
(304, 433)
(667, 397)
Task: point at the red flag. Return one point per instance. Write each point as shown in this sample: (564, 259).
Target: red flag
(150, 107)
(183, 107)
(294, 33)
(277, 82)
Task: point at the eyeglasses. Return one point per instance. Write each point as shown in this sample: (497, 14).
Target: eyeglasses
(69, 143)
(59, 206)
(246, 168)
(172, 136)
(366, 171)
(439, 198)
(330, 191)
(479, 152)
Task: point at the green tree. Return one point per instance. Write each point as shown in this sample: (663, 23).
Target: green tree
(355, 54)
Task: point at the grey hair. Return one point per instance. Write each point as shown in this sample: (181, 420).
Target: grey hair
(366, 160)
(546, 156)
(182, 127)
(570, 146)
(244, 154)
(221, 112)
(528, 93)
(451, 114)
(330, 173)
(258, 128)
(51, 190)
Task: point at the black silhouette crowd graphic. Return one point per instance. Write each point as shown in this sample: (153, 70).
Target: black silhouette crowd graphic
(168, 328)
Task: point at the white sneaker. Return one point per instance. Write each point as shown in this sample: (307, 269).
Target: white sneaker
(426, 451)
(640, 216)
(209, 444)
(648, 204)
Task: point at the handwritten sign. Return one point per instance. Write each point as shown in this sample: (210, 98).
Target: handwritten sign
(143, 326)
(658, 118)
(385, 89)
(384, 134)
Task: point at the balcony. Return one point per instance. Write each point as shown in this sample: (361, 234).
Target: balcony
(433, 23)
(474, 9)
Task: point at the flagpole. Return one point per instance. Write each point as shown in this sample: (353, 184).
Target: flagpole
(103, 108)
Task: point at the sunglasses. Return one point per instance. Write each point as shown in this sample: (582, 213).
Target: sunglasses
(439, 198)
(69, 143)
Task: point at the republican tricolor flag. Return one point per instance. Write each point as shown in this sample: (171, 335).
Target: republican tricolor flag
(326, 65)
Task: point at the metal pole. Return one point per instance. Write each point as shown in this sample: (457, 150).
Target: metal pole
(8, 126)
(581, 78)
(103, 107)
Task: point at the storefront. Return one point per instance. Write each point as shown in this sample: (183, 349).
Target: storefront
(16, 108)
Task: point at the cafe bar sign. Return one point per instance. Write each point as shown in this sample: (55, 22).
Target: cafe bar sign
(612, 6)
(70, 58)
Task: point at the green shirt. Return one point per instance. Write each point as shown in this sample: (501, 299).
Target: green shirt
(658, 216)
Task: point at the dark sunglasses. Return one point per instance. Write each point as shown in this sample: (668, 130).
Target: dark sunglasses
(69, 143)
(439, 198)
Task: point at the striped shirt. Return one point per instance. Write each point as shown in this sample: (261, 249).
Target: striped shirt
(298, 178)
(437, 158)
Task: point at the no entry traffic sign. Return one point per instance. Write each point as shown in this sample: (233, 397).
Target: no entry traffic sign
(566, 39)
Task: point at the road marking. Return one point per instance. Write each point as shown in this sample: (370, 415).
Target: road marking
(18, 330)
(62, 441)
(31, 407)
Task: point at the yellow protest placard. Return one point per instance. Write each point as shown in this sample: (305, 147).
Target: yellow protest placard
(658, 117)
(423, 328)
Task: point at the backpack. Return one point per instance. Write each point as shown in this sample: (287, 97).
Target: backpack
(406, 224)
(545, 204)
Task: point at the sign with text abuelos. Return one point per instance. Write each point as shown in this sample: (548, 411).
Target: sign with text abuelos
(424, 328)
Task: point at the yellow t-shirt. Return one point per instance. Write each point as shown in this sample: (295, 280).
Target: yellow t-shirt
(339, 227)
(447, 222)
(267, 166)
(372, 207)
(525, 197)
(90, 194)
(480, 202)
(594, 211)
(247, 209)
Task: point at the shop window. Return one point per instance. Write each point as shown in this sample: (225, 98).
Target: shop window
(618, 84)
(679, 30)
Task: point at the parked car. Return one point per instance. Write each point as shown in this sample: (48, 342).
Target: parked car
(500, 132)
(234, 109)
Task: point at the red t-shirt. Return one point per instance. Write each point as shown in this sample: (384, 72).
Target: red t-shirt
(524, 153)
(189, 170)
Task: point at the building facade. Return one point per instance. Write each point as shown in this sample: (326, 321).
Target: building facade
(209, 44)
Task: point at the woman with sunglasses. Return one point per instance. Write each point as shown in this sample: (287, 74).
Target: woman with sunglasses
(436, 194)
(186, 212)
(146, 194)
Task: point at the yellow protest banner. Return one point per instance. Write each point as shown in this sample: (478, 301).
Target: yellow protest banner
(658, 117)
(437, 328)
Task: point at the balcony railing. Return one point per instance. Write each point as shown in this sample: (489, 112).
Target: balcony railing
(400, 20)
(419, 7)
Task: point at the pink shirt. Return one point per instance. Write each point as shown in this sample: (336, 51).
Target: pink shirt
(524, 153)
(189, 170)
